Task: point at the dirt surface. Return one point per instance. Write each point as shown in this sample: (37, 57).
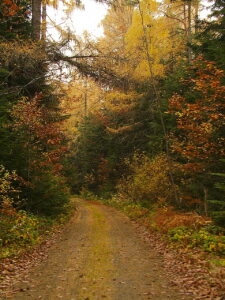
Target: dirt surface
(100, 256)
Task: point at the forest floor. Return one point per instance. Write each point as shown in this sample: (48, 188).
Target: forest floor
(99, 255)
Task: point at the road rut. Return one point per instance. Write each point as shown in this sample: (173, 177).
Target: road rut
(100, 256)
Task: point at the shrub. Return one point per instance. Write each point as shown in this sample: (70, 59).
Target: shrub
(49, 195)
(17, 230)
(148, 181)
(201, 238)
(20, 228)
(7, 189)
(167, 217)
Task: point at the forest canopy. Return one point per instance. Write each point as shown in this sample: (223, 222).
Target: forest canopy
(137, 113)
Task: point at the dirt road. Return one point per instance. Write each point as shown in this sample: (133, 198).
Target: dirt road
(100, 256)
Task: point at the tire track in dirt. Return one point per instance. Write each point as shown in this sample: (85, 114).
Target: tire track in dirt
(100, 256)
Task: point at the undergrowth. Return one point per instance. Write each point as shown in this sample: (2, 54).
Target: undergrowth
(199, 238)
(184, 229)
(20, 230)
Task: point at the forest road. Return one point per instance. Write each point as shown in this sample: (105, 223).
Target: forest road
(100, 256)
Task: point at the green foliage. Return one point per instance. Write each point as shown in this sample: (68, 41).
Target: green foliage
(217, 211)
(86, 194)
(221, 184)
(148, 181)
(15, 22)
(218, 262)
(91, 147)
(217, 207)
(19, 230)
(48, 195)
(202, 238)
(31, 139)
(135, 211)
(210, 40)
(8, 192)
(209, 237)
(106, 138)
(104, 149)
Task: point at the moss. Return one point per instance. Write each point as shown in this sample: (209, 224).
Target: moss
(99, 269)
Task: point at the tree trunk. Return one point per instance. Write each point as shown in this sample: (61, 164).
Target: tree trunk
(159, 106)
(44, 21)
(85, 98)
(196, 16)
(189, 30)
(36, 19)
(206, 201)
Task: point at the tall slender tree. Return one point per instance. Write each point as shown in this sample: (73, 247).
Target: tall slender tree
(36, 19)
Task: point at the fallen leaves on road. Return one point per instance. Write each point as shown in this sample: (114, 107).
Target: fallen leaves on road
(15, 268)
(189, 269)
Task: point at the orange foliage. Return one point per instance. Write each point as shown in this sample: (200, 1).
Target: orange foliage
(167, 218)
(33, 118)
(200, 121)
(7, 209)
(10, 8)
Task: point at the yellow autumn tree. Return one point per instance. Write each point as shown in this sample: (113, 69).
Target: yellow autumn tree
(151, 35)
(80, 97)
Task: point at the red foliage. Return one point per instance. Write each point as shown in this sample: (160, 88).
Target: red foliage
(167, 218)
(200, 120)
(7, 209)
(10, 8)
(43, 135)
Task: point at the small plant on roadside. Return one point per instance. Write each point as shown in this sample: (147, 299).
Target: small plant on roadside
(201, 238)
(19, 230)
(8, 192)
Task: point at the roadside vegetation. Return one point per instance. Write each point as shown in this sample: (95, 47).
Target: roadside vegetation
(154, 145)
(135, 117)
(21, 230)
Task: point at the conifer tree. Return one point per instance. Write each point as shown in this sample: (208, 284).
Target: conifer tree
(212, 35)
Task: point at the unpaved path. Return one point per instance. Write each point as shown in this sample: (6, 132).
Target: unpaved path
(100, 256)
